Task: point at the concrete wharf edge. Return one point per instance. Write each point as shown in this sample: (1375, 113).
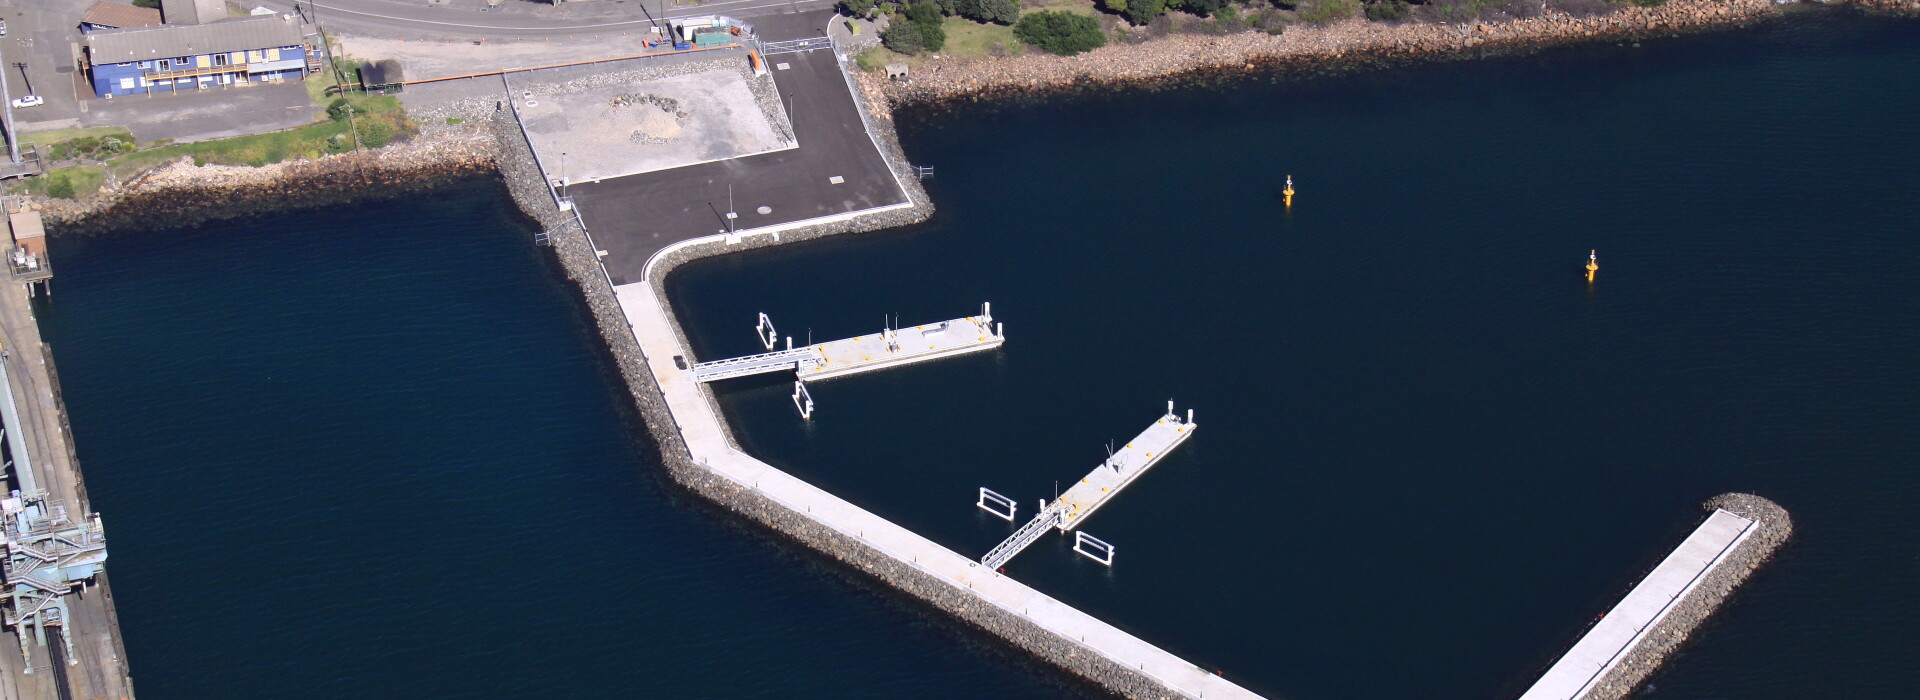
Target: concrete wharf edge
(699, 453)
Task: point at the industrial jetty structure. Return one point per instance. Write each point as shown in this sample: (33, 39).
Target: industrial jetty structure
(59, 613)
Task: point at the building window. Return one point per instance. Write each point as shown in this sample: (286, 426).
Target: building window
(273, 54)
(219, 59)
(126, 83)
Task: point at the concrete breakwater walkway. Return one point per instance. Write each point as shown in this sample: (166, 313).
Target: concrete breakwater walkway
(1626, 646)
(698, 451)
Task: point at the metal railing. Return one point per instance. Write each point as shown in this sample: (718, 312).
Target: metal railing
(775, 48)
(1026, 535)
(192, 72)
(751, 364)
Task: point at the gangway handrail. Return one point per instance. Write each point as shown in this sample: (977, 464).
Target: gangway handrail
(1046, 519)
(751, 364)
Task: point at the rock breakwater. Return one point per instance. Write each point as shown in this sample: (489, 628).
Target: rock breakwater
(1308, 47)
(1774, 528)
(181, 193)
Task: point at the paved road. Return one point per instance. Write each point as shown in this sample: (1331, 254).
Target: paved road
(472, 19)
(94, 627)
(41, 34)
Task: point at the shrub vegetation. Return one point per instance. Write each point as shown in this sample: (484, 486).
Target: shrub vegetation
(916, 30)
(1061, 33)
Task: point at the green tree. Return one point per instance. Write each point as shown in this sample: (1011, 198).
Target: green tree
(903, 37)
(1062, 33)
(996, 11)
(859, 8)
(1141, 12)
(1203, 8)
(340, 109)
(923, 13)
(375, 133)
(1118, 7)
(932, 35)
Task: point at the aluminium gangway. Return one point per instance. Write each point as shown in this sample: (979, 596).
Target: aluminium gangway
(1120, 469)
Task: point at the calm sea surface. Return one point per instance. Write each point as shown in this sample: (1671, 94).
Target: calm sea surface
(375, 453)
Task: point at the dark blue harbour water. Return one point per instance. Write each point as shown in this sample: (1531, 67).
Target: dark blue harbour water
(1429, 453)
(375, 453)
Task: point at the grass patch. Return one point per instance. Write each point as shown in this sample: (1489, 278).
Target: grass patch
(969, 39)
(258, 149)
(48, 138)
(374, 116)
(965, 39)
(1078, 7)
(77, 182)
(1326, 11)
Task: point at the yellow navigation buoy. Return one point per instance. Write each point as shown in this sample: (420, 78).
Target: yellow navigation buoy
(1593, 264)
(1288, 192)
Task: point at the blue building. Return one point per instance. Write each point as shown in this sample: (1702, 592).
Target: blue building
(230, 52)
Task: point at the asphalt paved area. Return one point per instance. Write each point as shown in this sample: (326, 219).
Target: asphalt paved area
(472, 19)
(216, 112)
(635, 216)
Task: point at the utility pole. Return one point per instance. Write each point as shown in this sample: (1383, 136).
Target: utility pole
(13, 141)
(732, 214)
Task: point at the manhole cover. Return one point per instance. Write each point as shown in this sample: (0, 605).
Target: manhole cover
(765, 209)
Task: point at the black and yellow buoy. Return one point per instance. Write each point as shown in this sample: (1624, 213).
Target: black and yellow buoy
(1288, 192)
(1593, 264)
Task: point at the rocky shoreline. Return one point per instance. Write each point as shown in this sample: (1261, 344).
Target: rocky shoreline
(180, 193)
(1306, 47)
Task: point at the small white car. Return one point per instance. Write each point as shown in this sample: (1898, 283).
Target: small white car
(29, 101)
